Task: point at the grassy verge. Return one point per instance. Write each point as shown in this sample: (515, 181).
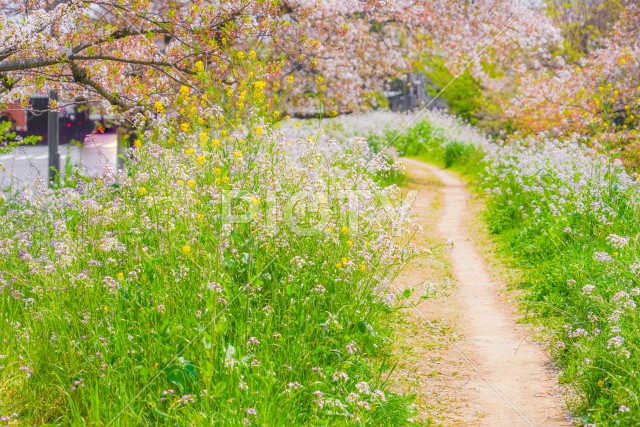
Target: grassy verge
(567, 219)
(224, 282)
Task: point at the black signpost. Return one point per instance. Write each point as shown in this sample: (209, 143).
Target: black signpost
(120, 153)
(53, 139)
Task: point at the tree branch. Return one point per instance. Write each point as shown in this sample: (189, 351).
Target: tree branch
(129, 61)
(117, 35)
(80, 76)
(27, 64)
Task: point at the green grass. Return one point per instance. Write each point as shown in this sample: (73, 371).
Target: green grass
(151, 298)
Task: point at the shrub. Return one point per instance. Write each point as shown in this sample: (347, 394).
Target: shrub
(454, 151)
(462, 93)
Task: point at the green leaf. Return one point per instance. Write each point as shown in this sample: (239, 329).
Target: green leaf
(144, 374)
(371, 348)
(218, 389)
(184, 376)
(221, 327)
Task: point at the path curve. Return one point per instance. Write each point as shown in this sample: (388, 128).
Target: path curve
(510, 380)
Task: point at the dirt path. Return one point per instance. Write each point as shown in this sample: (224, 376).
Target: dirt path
(493, 374)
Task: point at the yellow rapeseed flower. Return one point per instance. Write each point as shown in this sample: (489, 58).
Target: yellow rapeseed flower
(200, 160)
(344, 230)
(237, 153)
(185, 127)
(623, 61)
(191, 183)
(198, 67)
(240, 55)
(179, 182)
(189, 151)
(186, 249)
(142, 191)
(258, 131)
(158, 107)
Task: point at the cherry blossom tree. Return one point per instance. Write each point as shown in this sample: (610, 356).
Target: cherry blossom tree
(132, 54)
(599, 97)
(382, 40)
(314, 56)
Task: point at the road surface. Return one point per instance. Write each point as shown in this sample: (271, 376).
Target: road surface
(25, 163)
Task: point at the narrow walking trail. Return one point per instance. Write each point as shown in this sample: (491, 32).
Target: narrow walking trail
(500, 376)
